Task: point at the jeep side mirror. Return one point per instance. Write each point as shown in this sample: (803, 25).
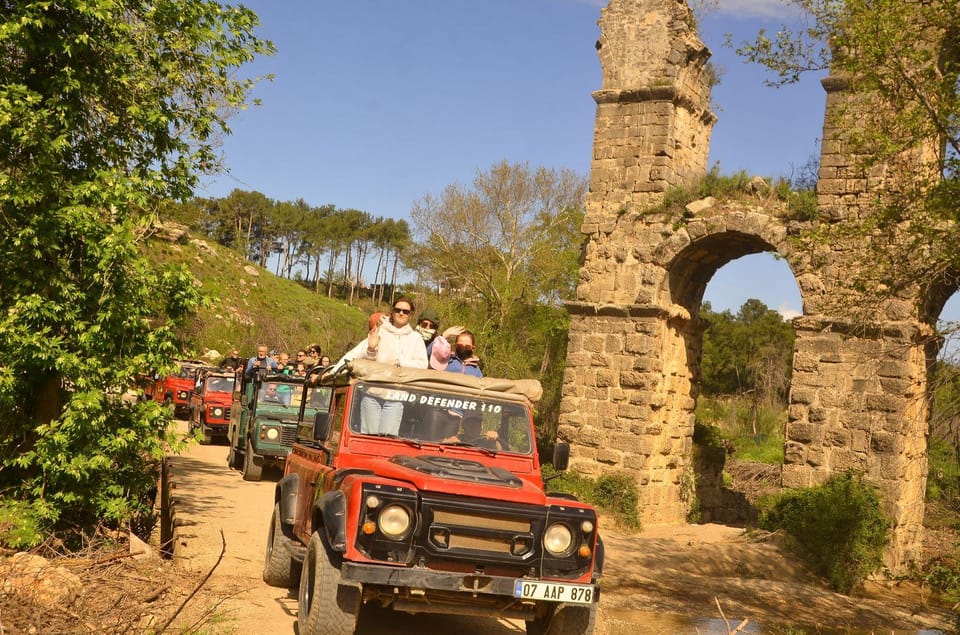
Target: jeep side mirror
(561, 456)
(321, 426)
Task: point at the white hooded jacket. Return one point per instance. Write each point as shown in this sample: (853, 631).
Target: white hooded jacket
(400, 346)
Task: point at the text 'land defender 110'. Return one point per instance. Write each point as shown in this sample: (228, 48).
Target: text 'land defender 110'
(420, 491)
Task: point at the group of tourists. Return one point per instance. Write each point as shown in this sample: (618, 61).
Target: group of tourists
(392, 340)
(276, 361)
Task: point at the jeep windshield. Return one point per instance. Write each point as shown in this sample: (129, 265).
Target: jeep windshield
(278, 393)
(220, 384)
(436, 416)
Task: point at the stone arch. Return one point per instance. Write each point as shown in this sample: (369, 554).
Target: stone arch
(725, 235)
(859, 382)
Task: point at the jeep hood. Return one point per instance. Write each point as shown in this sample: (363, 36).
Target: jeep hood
(456, 475)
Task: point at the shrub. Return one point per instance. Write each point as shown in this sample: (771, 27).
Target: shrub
(838, 527)
(615, 494)
(19, 526)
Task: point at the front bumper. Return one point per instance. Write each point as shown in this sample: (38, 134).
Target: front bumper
(474, 593)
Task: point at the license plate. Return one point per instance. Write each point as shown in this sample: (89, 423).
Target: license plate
(554, 591)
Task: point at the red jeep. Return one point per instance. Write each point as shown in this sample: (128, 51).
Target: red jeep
(421, 492)
(210, 403)
(179, 386)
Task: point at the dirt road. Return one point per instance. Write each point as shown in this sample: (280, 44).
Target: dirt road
(210, 498)
(665, 580)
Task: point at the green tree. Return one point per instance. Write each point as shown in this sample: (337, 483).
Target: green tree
(748, 353)
(508, 240)
(107, 109)
(900, 62)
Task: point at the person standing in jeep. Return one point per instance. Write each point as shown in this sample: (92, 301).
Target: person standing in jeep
(262, 360)
(393, 341)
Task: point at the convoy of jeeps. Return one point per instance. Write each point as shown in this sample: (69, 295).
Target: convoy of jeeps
(416, 491)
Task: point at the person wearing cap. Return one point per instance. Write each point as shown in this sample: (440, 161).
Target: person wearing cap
(427, 327)
(429, 324)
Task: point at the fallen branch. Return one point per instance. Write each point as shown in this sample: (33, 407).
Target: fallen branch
(196, 589)
(740, 626)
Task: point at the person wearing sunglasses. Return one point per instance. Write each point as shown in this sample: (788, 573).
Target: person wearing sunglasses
(393, 341)
(461, 359)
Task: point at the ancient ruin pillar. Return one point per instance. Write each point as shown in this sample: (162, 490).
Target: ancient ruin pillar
(858, 396)
(627, 403)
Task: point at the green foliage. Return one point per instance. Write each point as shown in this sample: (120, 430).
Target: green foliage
(750, 352)
(615, 494)
(839, 528)
(754, 432)
(943, 575)
(943, 475)
(246, 309)
(898, 65)
(19, 526)
(106, 109)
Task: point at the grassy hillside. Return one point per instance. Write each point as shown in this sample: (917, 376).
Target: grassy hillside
(248, 305)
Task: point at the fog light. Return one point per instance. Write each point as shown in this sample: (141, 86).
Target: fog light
(586, 527)
(373, 501)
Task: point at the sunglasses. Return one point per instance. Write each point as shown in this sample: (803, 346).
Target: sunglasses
(427, 324)
(402, 311)
(299, 354)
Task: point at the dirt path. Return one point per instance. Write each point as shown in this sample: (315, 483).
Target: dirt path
(665, 580)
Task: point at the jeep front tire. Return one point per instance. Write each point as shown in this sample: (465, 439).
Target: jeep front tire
(319, 612)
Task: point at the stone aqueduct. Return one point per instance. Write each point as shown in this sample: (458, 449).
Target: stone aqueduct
(857, 399)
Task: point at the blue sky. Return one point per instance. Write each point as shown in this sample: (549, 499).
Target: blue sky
(376, 103)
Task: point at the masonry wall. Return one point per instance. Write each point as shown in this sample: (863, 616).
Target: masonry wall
(857, 398)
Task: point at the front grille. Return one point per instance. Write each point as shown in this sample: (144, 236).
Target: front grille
(288, 434)
(481, 530)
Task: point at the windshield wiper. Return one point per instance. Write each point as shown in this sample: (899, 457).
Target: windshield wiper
(467, 444)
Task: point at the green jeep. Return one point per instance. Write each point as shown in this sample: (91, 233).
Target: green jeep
(264, 418)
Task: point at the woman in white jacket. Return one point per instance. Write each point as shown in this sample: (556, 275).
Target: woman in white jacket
(392, 342)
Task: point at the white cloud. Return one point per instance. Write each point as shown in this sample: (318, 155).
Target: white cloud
(787, 312)
(780, 9)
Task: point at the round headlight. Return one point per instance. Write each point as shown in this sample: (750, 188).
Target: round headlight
(557, 539)
(218, 412)
(394, 521)
(272, 434)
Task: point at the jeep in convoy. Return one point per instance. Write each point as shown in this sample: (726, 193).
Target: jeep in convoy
(264, 417)
(210, 404)
(179, 386)
(420, 491)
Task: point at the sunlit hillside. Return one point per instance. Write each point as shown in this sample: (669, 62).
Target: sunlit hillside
(249, 305)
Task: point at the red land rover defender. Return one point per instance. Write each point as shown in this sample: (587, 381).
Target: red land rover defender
(421, 491)
(210, 404)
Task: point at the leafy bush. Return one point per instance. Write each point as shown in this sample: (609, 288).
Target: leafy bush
(615, 494)
(19, 526)
(838, 527)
